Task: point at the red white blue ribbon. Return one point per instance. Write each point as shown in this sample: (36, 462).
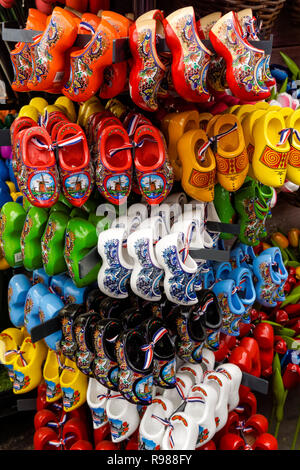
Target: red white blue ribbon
(75, 139)
(19, 352)
(104, 395)
(133, 124)
(53, 424)
(213, 140)
(285, 134)
(167, 424)
(87, 27)
(130, 146)
(149, 348)
(202, 311)
(61, 442)
(252, 29)
(239, 287)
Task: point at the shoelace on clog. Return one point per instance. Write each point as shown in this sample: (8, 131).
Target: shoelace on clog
(212, 141)
(167, 424)
(58, 144)
(59, 424)
(19, 352)
(61, 442)
(132, 145)
(287, 134)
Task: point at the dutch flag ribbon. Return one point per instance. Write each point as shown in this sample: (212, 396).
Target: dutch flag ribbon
(149, 348)
(75, 139)
(202, 311)
(104, 395)
(167, 424)
(189, 236)
(61, 442)
(62, 366)
(87, 27)
(287, 133)
(213, 140)
(133, 124)
(239, 287)
(130, 146)
(52, 424)
(19, 352)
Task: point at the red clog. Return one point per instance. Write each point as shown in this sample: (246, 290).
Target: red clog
(17, 126)
(39, 179)
(265, 442)
(73, 431)
(251, 345)
(231, 442)
(43, 439)
(190, 58)
(114, 164)
(76, 171)
(153, 170)
(264, 335)
(82, 445)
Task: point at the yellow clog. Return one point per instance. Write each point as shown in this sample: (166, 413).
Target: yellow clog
(10, 342)
(68, 106)
(231, 155)
(274, 107)
(204, 119)
(198, 168)
(15, 195)
(39, 103)
(232, 109)
(293, 166)
(73, 385)
(210, 125)
(179, 124)
(269, 160)
(247, 126)
(118, 109)
(285, 112)
(93, 105)
(28, 366)
(243, 110)
(164, 125)
(52, 108)
(51, 373)
(29, 111)
(12, 187)
(262, 105)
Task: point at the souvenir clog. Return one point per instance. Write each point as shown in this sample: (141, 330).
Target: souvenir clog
(268, 277)
(231, 155)
(176, 124)
(73, 385)
(181, 433)
(227, 39)
(153, 170)
(221, 384)
(148, 70)
(39, 176)
(152, 426)
(270, 157)
(179, 268)
(201, 405)
(178, 395)
(231, 306)
(49, 308)
(234, 374)
(40, 276)
(123, 417)
(247, 124)
(135, 371)
(33, 229)
(97, 398)
(116, 265)
(53, 243)
(11, 340)
(243, 278)
(67, 315)
(87, 65)
(114, 165)
(194, 370)
(18, 287)
(28, 366)
(279, 268)
(51, 372)
(293, 166)
(73, 294)
(12, 218)
(190, 58)
(205, 24)
(76, 171)
(82, 330)
(208, 360)
(198, 165)
(48, 51)
(32, 305)
(19, 124)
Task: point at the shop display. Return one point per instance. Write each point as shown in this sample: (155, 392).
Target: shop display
(145, 288)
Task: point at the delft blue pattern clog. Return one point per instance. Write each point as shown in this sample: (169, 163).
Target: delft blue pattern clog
(50, 305)
(231, 306)
(246, 291)
(32, 305)
(18, 287)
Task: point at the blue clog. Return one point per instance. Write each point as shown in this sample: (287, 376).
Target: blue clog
(74, 294)
(243, 278)
(32, 305)
(57, 284)
(222, 271)
(230, 305)
(268, 278)
(40, 276)
(18, 287)
(50, 305)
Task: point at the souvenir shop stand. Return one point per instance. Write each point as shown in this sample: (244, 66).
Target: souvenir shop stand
(225, 356)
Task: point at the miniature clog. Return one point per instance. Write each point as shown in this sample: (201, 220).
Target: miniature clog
(18, 287)
(117, 265)
(73, 385)
(28, 366)
(123, 417)
(97, 398)
(53, 243)
(181, 433)
(152, 426)
(33, 229)
(12, 218)
(51, 372)
(190, 58)
(11, 340)
(270, 157)
(231, 306)
(32, 305)
(153, 170)
(49, 308)
(221, 384)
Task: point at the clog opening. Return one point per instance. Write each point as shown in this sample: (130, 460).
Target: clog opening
(122, 158)
(95, 389)
(236, 303)
(247, 292)
(273, 132)
(206, 159)
(148, 155)
(133, 350)
(112, 330)
(51, 367)
(24, 359)
(164, 347)
(190, 125)
(180, 434)
(75, 155)
(195, 327)
(213, 317)
(116, 408)
(37, 156)
(231, 141)
(6, 344)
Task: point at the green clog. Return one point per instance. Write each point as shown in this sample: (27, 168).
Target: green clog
(12, 218)
(224, 208)
(53, 243)
(31, 235)
(60, 207)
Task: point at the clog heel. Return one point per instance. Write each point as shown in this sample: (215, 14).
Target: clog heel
(49, 49)
(73, 385)
(190, 58)
(198, 165)
(293, 165)
(270, 157)
(175, 126)
(87, 65)
(51, 374)
(231, 155)
(205, 24)
(28, 366)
